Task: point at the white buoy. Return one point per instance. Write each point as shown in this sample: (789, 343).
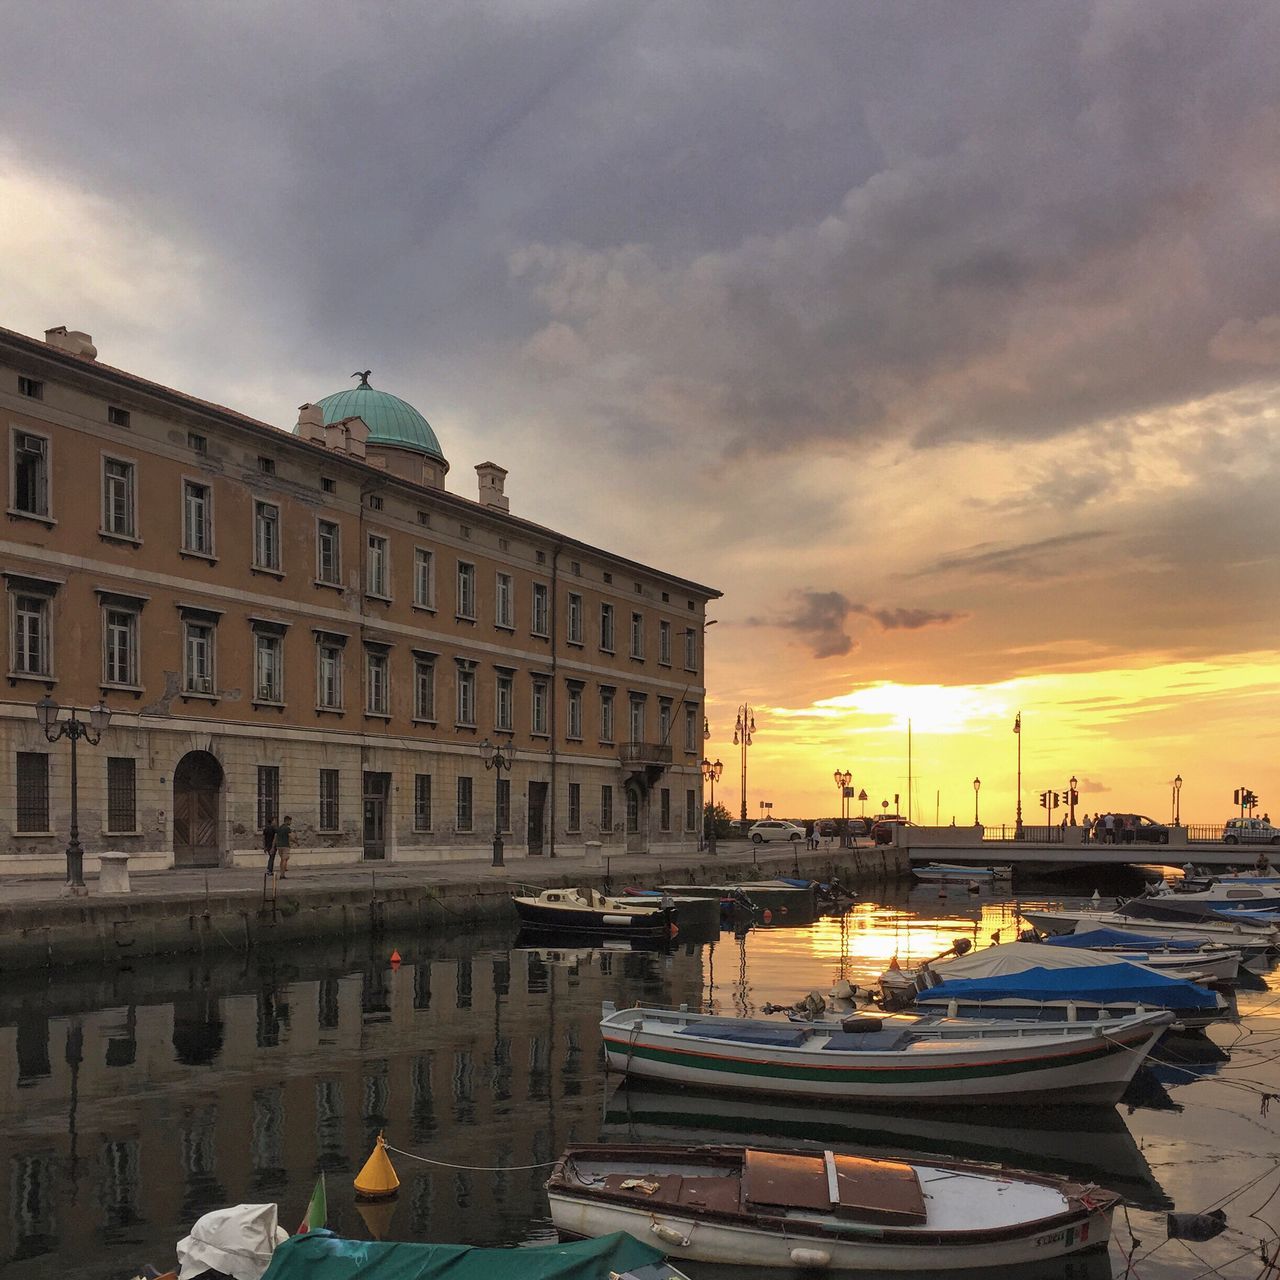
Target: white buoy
(811, 1258)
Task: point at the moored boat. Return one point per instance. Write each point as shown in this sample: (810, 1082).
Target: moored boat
(590, 911)
(954, 873)
(1196, 959)
(1162, 918)
(790, 1210)
(925, 1060)
(799, 902)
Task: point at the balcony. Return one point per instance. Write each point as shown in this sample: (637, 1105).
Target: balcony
(644, 762)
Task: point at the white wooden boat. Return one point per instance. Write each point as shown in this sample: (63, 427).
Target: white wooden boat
(954, 873)
(1250, 938)
(590, 911)
(808, 1210)
(920, 1059)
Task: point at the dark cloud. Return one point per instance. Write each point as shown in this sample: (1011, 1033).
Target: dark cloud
(820, 617)
(1036, 560)
(910, 619)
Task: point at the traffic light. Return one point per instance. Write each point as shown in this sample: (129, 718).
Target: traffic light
(1055, 799)
(1235, 798)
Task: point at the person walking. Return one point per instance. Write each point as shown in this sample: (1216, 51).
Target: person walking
(1085, 828)
(1109, 825)
(284, 833)
(269, 830)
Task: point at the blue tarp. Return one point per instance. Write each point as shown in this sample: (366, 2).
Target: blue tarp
(1100, 984)
(1096, 938)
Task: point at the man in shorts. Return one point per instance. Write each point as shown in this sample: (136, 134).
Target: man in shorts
(284, 833)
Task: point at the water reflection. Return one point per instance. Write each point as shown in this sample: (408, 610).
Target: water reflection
(133, 1100)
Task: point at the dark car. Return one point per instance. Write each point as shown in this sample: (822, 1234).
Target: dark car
(1136, 828)
(882, 832)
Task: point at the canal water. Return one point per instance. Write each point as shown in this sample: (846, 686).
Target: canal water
(133, 1100)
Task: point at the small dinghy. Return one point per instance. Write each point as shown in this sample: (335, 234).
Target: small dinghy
(740, 1205)
(590, 911)
(954, 873)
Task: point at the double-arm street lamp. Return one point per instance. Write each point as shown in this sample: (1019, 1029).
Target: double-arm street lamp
(711, 773)
(843, 779)
(743, 728)
(75, 729)
(1177, 801)
(497, 758)
(977, 786)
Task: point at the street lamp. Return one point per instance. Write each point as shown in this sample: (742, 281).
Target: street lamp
(1017, 729)
(743, 728)
(711, 773)
(1177, 801)
(1071, 799)
(75, 729)
(497, 758)
(843, 779)
(977, 786)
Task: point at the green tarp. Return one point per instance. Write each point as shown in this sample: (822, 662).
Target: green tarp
(319, 1255)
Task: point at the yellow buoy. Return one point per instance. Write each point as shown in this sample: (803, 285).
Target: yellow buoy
(377, 1180)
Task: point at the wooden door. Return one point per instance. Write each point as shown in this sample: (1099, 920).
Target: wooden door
(537, 816)
(197, 792)
(377, 788)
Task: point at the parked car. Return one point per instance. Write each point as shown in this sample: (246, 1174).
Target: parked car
(1136, 828)
(775, 829)
(1250, 831)
(882, 831)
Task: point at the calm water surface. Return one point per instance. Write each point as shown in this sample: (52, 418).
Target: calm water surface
(134, 1100)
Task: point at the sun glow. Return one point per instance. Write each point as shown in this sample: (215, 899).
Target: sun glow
(930, 708)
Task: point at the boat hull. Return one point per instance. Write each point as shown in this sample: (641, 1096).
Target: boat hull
(583, 921)
(1065, 1011)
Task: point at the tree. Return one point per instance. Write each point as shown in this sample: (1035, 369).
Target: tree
(722, 818)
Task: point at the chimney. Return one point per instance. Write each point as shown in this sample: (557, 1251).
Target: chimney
(310, 423)
(72, 341)
(492, 480)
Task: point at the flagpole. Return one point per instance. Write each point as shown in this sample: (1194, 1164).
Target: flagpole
(1017, 729)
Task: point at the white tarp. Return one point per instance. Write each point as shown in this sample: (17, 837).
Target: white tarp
(1014, 957)
(238, 1241)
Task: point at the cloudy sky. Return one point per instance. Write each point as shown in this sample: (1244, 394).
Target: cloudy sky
(945, 339)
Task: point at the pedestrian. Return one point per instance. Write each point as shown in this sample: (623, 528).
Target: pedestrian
(1085, 829)
(283, 833)
(1109, 827)
(269, 843)
(1262, 866)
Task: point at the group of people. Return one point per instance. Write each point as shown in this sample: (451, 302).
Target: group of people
(276, 840)
(1107, 828)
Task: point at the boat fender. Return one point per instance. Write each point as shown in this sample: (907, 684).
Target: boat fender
(1196, 1226)
(668, 1235)
(810, 1258)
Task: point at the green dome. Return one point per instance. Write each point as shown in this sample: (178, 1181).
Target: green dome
(390, 420)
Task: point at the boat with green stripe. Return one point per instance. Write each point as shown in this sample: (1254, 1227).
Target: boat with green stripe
(897, 1058)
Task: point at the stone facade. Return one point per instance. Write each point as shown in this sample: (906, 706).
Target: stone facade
(307, 624)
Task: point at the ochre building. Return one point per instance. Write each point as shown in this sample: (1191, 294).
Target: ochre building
(309, 624)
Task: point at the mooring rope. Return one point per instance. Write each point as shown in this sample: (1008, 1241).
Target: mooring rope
(473, 1168)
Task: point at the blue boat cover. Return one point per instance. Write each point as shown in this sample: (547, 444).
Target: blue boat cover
(1096, 938)
(781, 1035)
(1101, 984)
(870, 1041)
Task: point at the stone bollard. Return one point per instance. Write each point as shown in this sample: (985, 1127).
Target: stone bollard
(113, 875)
(593, 859)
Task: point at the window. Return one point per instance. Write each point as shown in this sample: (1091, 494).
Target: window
(606, 808)
(266, 465)
(375, 502)
(538, 719)
(329, 552)
(422, 802)
(664, 643)
(32, 652)
(329, 790)
(266, 536)
(606, 715)
(198, 654)
(33, 791)
(31, 388)
(690, 649)
(633, 811)
(637, 635)
(690, 728)
(608, 577)
(120, 646)
(541, 613)
(465, 530)
(30, 474)
(540, 556)
(122, 794)
(575, 807)
(268, 794)
(424, 689)
(268, 667)
(424, 518)
(504, 693)
(664, 809)
(464, 804)
(637, 719)
(504, 602)
(503, 797)
(424, 578)
(606, 627)
(377, 689)
(377, 578)
(328, 484)
(466, 696)
(690, 810)
(197, 443)
(575, 618)
(197, 518)
(466, 590)
(118, 504)
(117, 417)
(664, 719)
(329, 675)
(574, 728)
(575, 567)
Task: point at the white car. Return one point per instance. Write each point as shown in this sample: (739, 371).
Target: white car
(1250, 831)
(774, 829)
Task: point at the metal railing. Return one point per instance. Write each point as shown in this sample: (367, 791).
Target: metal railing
(1053, 834)
(645, 753)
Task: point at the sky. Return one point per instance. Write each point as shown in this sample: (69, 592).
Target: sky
(943, 339)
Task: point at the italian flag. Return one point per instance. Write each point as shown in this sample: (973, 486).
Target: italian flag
(317, 1210)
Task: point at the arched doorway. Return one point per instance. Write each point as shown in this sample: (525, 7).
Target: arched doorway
(197, 791)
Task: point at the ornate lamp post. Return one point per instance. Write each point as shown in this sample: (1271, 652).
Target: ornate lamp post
(1017, 729)
(1177, 801)
(75, 729)
(743, 728)
(711, 773)
(1071, 799)
(497, 758)
(977, 786)
(843, 779)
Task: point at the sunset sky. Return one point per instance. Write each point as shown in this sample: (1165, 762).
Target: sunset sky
(943, 338)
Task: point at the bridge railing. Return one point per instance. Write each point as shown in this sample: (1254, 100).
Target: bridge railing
(1201, 831)
(1052, 834)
